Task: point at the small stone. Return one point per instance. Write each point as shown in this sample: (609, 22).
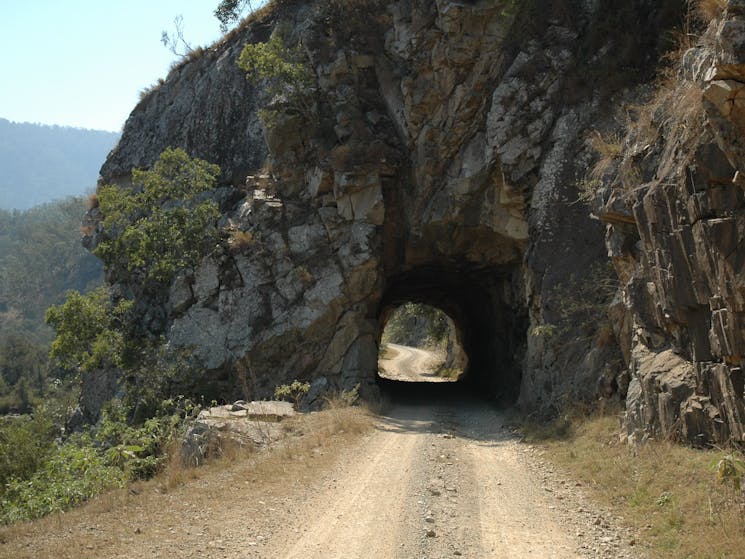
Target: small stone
(430, 534)
(138, 531)
(458, 553)
(429, 519)
(434, 491)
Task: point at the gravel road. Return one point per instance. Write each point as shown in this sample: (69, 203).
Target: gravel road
(446, 480)
(441, 474)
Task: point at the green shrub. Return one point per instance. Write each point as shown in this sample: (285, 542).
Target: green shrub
(25, 443)
(287, 79)
(140, 450)
(41, 474)
(71, 474)
(160, 227)
(89, 330)
(293, 392)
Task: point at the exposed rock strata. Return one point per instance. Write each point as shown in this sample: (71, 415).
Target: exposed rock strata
(675, 209)
(439, 164)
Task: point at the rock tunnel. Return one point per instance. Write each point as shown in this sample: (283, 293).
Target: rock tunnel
(490, 329)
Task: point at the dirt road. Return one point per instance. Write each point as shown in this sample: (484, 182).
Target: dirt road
(440, 481)
(410, 364)
(439, 475)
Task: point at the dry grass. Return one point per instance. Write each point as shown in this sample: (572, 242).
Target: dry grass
(608, 148)
(673, 115)
(87, 230)
(671, 118)
(240, 240)
(92, 201)
(668, 492)
(151, 88)
(709, 9)
(169, 504)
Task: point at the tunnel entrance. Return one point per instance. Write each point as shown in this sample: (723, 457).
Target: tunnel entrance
(489, 321)
(420, 343)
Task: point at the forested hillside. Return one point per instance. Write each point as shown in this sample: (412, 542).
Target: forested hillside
(39, 163)
(40, 260)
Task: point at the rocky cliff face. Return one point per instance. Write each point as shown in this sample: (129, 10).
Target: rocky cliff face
(440, 164)
(673, 201)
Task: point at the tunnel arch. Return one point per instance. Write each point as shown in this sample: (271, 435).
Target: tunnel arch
(420, 327)
(480, 300)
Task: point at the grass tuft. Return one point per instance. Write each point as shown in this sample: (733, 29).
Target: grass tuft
(669, 493)
(710, 9)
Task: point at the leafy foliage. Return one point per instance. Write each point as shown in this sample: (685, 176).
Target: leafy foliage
(161, 227)
(729, 470)
(288, 80)
(23, 372)
(293, 392)
(416, 324)
(40, 259)
(23, 445)
(89, 330)
(40, 473)
(72, 474)
(230, 11)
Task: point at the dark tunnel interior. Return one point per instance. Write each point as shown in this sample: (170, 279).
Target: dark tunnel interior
(491, 328)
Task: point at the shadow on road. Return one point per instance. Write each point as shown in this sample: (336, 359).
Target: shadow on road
(450, 409)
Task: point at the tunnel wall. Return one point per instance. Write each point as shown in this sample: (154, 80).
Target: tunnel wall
(491, 328)
(438, 161)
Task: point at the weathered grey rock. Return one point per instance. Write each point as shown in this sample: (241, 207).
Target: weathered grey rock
(207, 87)
(683, 284)
(196, 444)
(438, 163)
(98, 387)
(250, 423)
(268, 410)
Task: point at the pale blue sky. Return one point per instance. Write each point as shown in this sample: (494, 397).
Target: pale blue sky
(83, 62)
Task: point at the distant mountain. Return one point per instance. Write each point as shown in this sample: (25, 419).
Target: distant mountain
(40, 163)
